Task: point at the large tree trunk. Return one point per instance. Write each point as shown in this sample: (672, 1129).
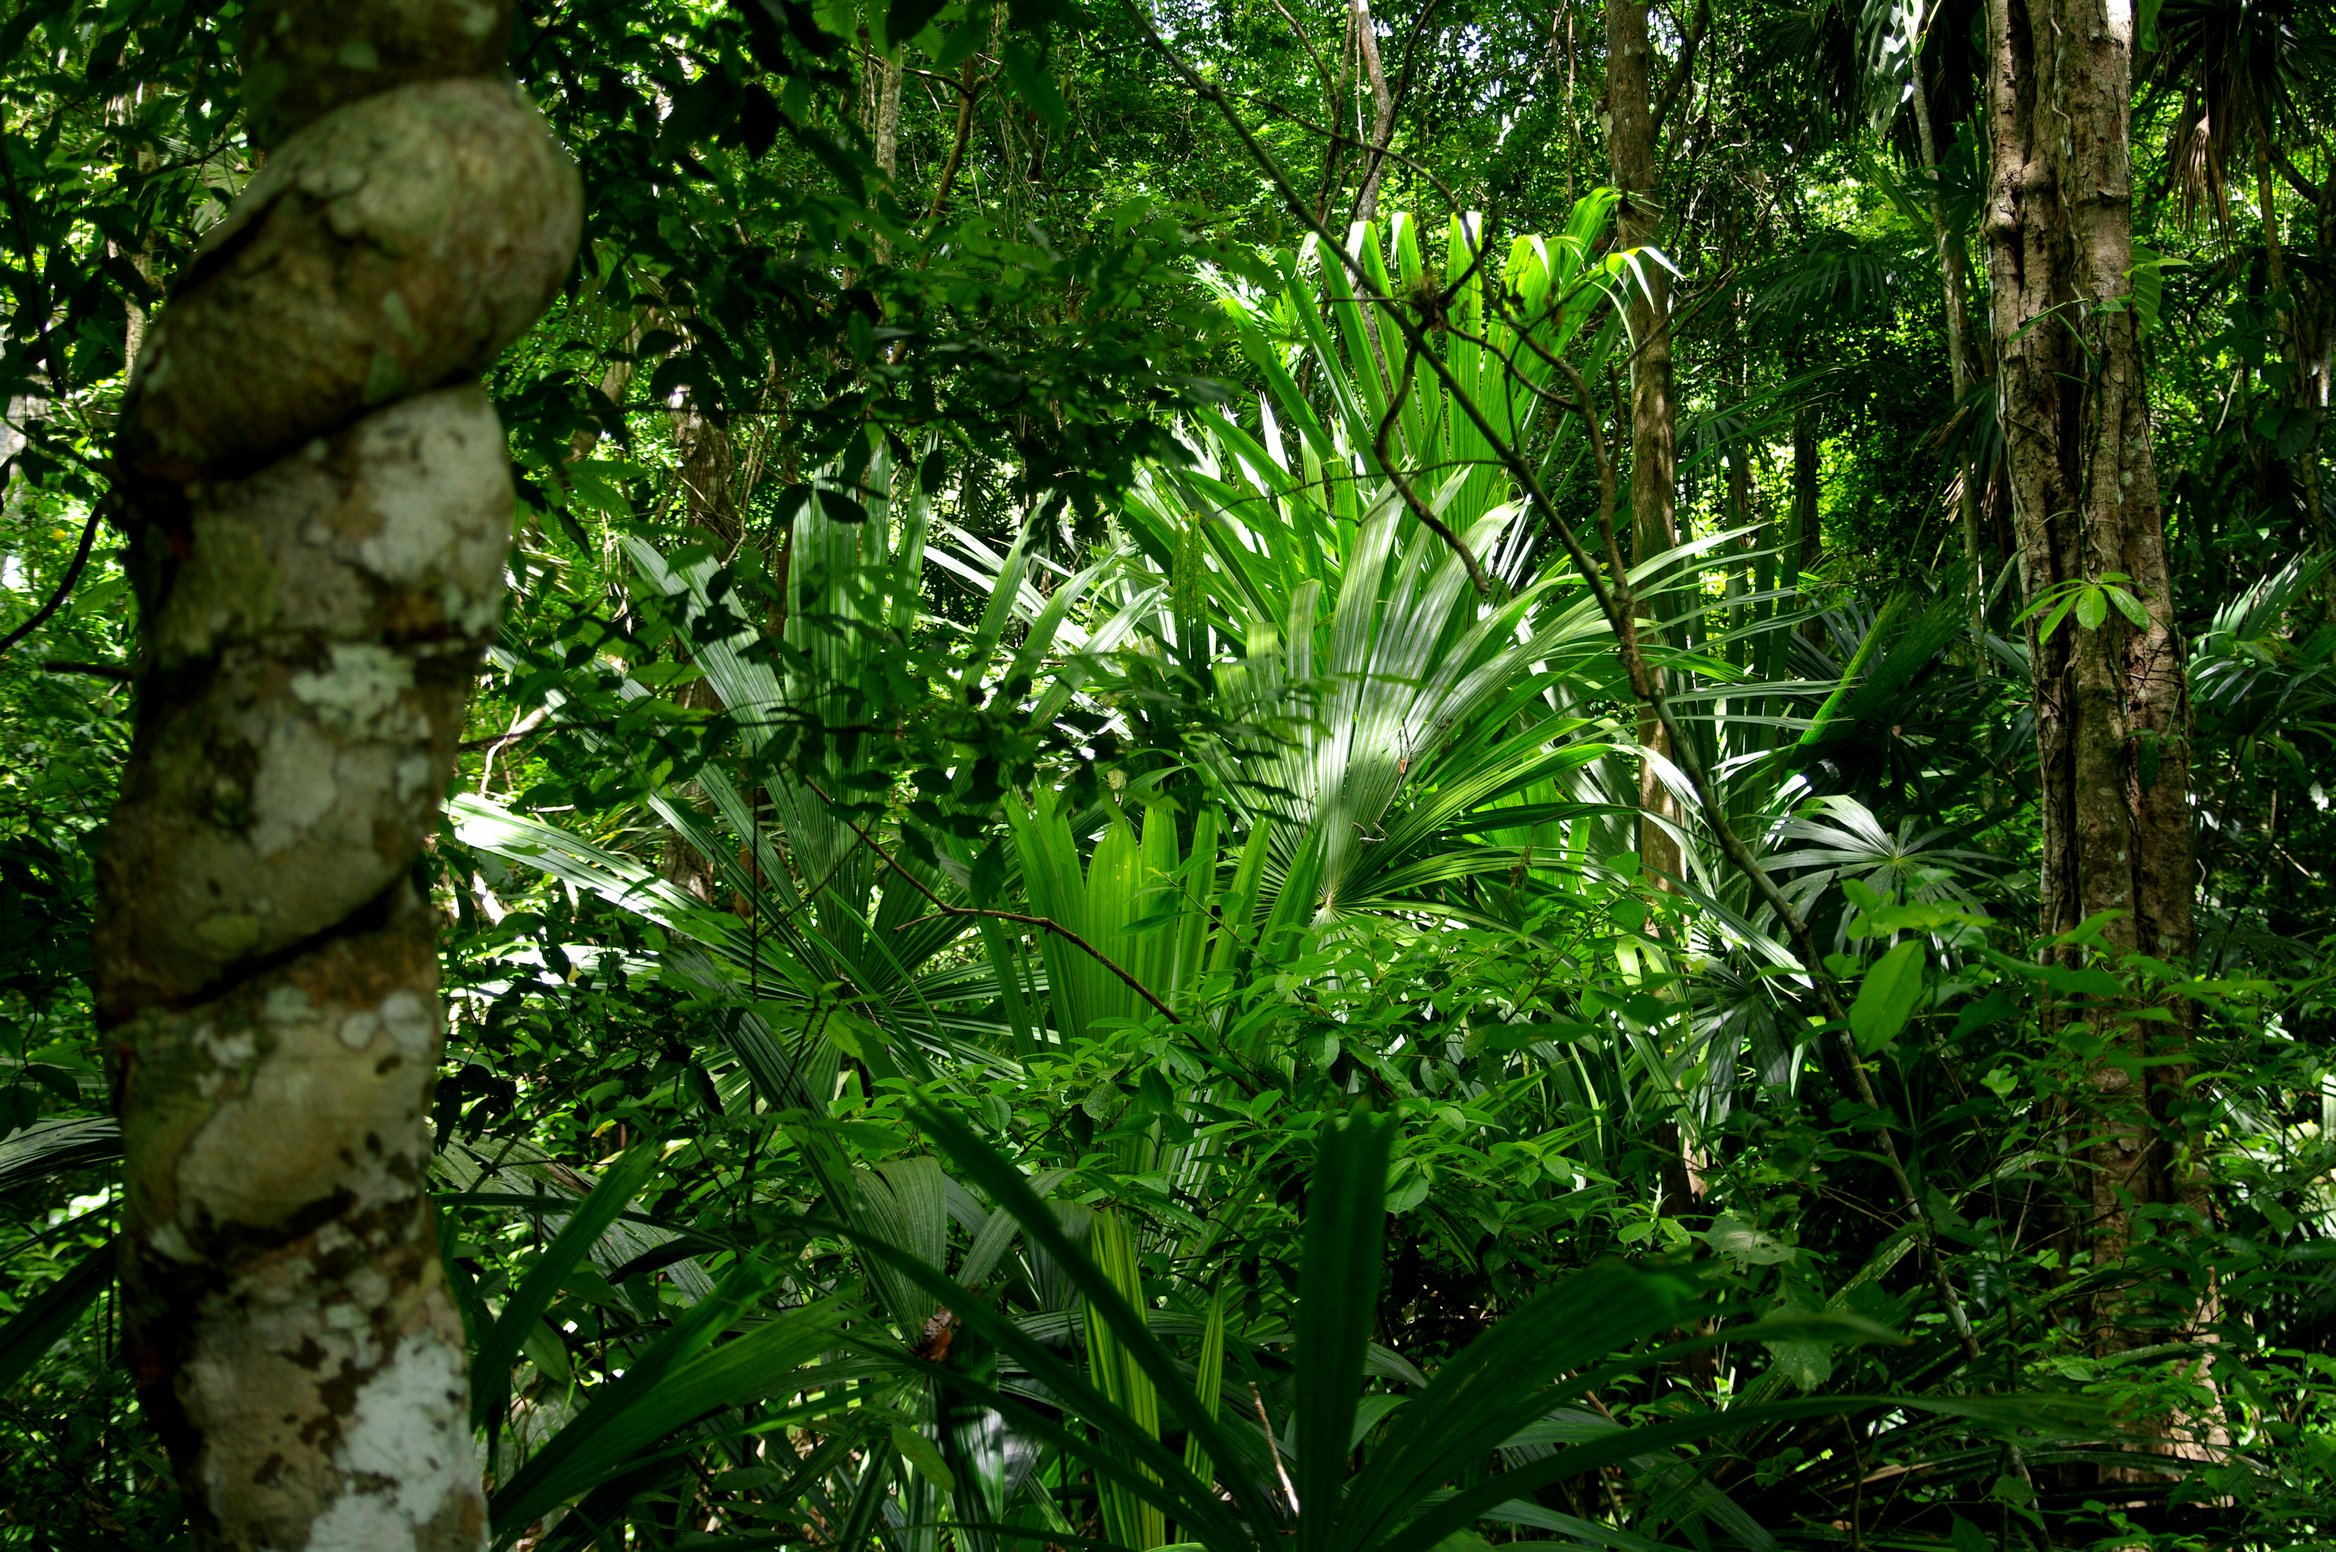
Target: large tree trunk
(1654, 419)
(318, 505)
(2112, 713)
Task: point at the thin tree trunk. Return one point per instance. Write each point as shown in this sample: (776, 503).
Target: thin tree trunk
(707, 472)
(708, 466)
(2319, 368)
(1961, 369)
(1808, 519)
(1366, 34)
(2314, 335)
(888, 117)
(2294, 330)
(1335, 103)
(968, 89)
(318, 504)
(880, 117)
(1654, 525)
(2112, 709)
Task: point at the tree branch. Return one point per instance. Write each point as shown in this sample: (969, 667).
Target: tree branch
(1684, 71)
(64, 588)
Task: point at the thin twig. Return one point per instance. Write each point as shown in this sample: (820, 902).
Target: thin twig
(1313, 54)
(1684, 70)
(1274, 1448)
(1342, 140)
(1411, 498)
(1366, 196)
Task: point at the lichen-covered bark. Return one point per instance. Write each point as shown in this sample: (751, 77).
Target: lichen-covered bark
(2112, 708)
(318, 505)
(393, 245)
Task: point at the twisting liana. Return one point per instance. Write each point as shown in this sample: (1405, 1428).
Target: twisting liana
(318, 503)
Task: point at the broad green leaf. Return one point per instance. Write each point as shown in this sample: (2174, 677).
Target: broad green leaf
(1499, 1383)
(984, 1167)
(51, 1147)
(1135, 1520)
(1886, 997)
(1034, 83)
(2092, 607)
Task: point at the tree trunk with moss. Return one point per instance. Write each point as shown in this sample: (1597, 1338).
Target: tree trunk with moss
(318, 507)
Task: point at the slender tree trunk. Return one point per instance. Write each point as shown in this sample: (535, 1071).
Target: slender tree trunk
(1808, 518)
(1961, 368)
(318, 505)
(1654, 523)
(968, 88)
(879, 119)
(707, 472)
(2112, 710)
(2295, 330)
(708, 468)
(2315, 363)
(888, 117)
(1366, 33)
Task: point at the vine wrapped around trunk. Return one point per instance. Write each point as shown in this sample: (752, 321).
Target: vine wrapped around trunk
(318, 505)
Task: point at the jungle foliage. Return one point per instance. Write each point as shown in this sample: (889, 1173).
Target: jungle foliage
(1048, 934)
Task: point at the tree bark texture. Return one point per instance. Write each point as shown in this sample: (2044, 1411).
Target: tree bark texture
(318, 506)
(888, 117)
(2112, 709)
(1654, 418)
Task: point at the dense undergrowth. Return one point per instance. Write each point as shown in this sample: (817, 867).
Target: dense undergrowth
(1076, 980)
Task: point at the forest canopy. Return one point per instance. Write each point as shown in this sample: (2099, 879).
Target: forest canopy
(946, 777)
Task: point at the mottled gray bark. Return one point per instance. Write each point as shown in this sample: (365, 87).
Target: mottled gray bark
(318, 505)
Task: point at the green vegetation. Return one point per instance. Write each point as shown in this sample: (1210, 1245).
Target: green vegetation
(1119, 880)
